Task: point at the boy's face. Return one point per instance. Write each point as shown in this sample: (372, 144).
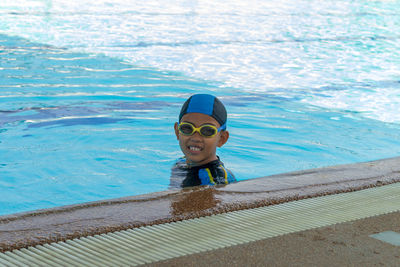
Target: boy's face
(200, 150)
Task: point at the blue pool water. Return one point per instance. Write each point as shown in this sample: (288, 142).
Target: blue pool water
(89, 94)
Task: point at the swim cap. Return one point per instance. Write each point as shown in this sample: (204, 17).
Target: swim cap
(205, 104)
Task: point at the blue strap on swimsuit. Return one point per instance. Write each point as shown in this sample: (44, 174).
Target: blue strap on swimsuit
(218, 175)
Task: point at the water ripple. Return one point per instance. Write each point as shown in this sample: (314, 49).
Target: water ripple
(83, 117)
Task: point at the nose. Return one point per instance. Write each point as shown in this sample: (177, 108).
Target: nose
(196, 136)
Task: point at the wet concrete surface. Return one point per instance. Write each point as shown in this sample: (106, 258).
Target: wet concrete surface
(344, 244)
(67, 222)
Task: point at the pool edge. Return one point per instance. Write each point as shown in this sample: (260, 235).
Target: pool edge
(86, 219)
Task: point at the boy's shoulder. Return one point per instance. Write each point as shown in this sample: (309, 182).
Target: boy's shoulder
(181, 164)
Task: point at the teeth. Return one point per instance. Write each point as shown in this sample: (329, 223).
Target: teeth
(194, 148)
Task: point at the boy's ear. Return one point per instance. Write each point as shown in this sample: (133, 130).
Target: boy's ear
(223, 138)
(176, 130)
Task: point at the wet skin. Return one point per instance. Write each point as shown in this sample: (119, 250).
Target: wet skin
(197, 149)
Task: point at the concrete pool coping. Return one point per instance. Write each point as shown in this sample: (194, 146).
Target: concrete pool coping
(343, 244)
(87, 219)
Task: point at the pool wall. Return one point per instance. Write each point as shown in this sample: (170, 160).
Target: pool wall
(67, 222)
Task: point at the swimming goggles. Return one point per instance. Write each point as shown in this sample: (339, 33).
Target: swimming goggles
(206, 130)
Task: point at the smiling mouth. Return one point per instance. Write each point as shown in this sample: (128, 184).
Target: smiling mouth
(194, 148)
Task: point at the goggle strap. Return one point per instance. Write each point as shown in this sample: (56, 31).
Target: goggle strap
(223, 127)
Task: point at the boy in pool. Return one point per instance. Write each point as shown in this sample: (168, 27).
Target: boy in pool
(200, 130)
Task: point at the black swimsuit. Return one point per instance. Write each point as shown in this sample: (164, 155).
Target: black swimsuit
(211, 173)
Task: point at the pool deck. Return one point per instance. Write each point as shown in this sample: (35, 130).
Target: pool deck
(347, 241)
(344, 244)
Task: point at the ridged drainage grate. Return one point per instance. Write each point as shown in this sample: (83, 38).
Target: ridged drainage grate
(154, 243)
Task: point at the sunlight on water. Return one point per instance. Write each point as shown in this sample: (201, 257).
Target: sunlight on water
(290, 48)
(89, 93)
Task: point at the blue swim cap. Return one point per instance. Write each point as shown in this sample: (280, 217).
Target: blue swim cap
(205, 104)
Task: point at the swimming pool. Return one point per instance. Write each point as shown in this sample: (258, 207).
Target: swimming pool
(89, 94)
